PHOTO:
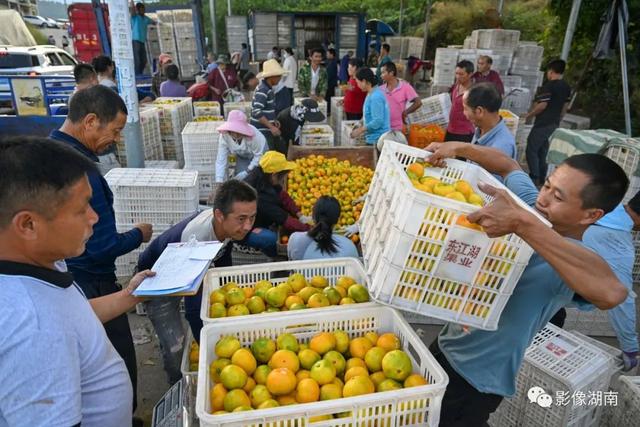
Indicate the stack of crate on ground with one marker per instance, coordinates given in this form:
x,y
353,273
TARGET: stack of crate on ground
x,y
404,47
518,63
562,382
200,145
153,44
175,113
160,197
244,106
206,108
337,116
151,136
186,39
166,38
347,126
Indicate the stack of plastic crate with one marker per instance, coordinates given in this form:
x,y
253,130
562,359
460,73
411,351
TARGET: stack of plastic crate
x,y
495,39
526,63
175,113
166,39
153,45
561,382
501,60
510,120
517,99
151,137
206,108
200,145
574,121
160,197
434,110
445,66
161,164
186,38
337,114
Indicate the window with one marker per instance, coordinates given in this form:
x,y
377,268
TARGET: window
x,y
16,60
53,59
67,59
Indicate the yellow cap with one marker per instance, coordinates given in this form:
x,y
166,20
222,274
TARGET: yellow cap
x,y
274,162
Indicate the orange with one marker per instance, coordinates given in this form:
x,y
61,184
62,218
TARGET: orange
x,y
235,399
415,380
244,359
371,336
250,385
217,394
377,377
308,357
397,365
281,381
287,399
388,342
302,374
248,292
318,300
373,358
354,372
285,359
260,375
293,299
216,367
355,361
323,342
330,391
357,386
417,169
307,391
226,346
233,377
259,395
358,347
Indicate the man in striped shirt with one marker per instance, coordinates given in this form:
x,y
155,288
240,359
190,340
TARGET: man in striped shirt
x,y
263,113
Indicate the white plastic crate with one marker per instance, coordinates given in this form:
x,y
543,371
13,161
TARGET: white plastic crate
x,y
573,121
627,156
627,412
246,276
161,164
206,108
175,113
337,114
510,120
501,60
517,100
200,144
322,106
188,71
184,364
184,30
242,106
593,323
241,255
434,110
187,54
445,66
531,80
206,180
183,15
165,16
317,135
165,30
521,142
557,361
495,39
151,137
411,245
162,197
415,406
345,137
511,81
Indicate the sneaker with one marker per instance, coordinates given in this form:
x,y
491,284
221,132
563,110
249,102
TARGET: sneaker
x,y
630,360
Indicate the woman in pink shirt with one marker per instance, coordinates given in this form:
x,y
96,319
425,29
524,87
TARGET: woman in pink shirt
x,y
399,93
460,129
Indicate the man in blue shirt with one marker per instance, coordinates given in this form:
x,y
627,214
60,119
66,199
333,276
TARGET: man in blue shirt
x,y
96,118
483,365
139,24
482,107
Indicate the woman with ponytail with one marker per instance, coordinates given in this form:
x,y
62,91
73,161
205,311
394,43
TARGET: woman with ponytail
x,y
320,241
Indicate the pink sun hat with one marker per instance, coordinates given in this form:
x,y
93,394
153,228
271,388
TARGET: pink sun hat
x,y
237,122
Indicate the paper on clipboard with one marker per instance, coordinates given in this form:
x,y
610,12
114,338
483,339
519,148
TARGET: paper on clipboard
x,y
179,267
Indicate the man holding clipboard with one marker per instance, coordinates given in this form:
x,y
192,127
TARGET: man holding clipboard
x,y
231,219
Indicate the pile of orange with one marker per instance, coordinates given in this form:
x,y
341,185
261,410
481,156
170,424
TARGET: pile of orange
x,y
287,371
318,176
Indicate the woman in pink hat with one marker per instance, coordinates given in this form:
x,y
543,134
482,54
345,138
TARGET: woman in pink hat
x,y
239,138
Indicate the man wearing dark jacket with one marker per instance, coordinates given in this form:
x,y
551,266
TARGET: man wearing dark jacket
x,y
232,217
96,118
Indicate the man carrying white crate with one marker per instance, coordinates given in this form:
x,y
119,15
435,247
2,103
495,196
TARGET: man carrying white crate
x,y
483,365
58,366
96,117
232,217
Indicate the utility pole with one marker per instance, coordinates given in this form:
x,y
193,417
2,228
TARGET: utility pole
x,y
571,28
426,29
214,34
228,7
122,53
401,16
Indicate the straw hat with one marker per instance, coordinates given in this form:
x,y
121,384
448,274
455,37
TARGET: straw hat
x,y
271,68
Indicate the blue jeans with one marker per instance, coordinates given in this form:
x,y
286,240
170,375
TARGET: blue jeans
x,y
164,314
262,239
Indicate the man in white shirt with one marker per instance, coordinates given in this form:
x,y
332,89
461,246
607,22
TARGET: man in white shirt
x,y
58,367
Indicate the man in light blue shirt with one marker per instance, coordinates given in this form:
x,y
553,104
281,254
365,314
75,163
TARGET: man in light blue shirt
x,y
139,24
482,108
611,238
483,365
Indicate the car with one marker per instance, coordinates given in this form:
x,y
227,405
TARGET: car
x,y
38,21
35,60
63,23
52,23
